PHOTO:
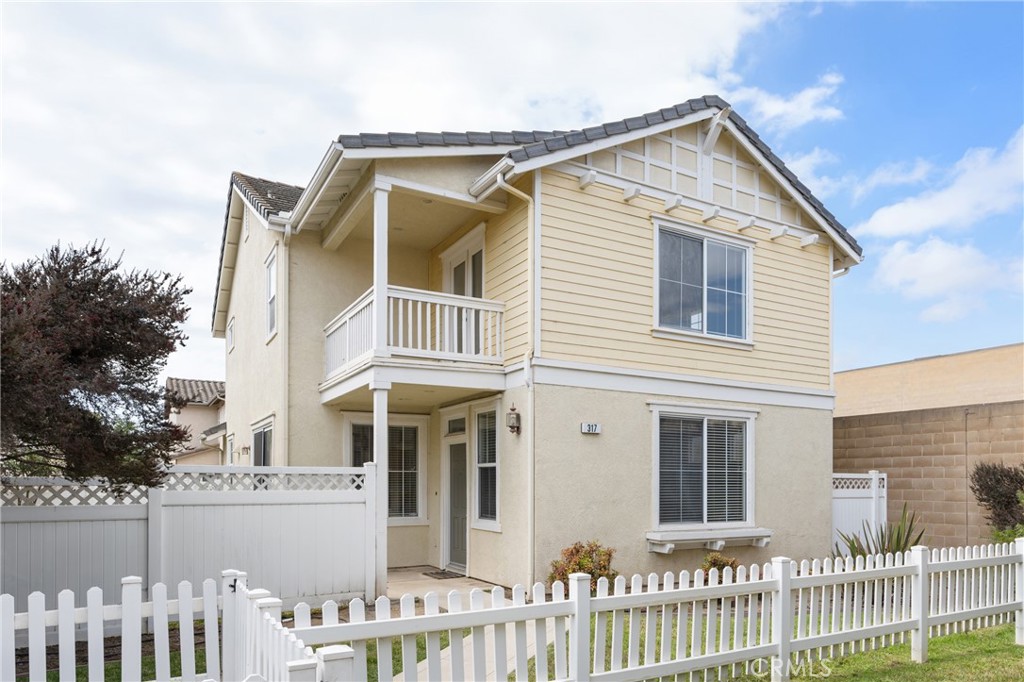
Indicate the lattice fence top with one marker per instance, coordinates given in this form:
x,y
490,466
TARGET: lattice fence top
x,y
855,482
39,492
67,494
250,481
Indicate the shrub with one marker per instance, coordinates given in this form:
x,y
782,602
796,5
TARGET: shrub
x,y
886,539
719,561
592,558
1010,534
996,487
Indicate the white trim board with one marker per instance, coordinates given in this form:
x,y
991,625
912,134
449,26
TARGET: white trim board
x,y
581,375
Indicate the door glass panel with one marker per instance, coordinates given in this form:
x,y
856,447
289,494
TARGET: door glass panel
x,y
457,508
477,273
459,279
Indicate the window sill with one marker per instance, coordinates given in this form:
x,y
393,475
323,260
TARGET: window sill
x,y
668,541
680,335
489,526
407,521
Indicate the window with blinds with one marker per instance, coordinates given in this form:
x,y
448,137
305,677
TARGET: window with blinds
x,y
487,466
403,465
701,470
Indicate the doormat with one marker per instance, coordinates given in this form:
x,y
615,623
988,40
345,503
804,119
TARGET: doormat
x,y
443,575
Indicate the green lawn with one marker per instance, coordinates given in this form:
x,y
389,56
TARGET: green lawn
x,y
112,669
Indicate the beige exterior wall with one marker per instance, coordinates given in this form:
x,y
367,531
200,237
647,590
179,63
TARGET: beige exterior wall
x,y
990,375
600,486
254,367
210,456
598,284
197,418
928,456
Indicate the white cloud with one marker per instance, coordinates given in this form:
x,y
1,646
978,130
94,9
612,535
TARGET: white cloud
x,y
984,183
953,279
784,113
806,166
891,175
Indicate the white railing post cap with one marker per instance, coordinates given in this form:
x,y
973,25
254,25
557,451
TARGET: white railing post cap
x,y
296,666
131,580
335,652
230,573
267,602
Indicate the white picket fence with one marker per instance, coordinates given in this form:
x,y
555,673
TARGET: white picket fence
x,y
778,617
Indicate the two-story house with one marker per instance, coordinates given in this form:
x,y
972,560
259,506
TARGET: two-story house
x,y
619,333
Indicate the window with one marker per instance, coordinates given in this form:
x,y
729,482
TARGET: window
x,y
702,470
487,466
229,334
403,465
262,445
272,293
703,284
230,454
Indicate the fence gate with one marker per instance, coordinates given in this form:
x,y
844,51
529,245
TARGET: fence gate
x,y
857,498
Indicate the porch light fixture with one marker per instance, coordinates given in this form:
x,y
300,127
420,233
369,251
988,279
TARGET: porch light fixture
x,y
512,420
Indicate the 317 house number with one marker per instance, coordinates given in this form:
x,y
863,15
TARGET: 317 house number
x,y
589,427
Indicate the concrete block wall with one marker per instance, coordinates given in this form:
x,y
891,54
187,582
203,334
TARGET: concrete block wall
x,y
928,455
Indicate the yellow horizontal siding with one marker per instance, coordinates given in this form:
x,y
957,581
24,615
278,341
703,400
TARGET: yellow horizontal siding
x,y
507,272
598,294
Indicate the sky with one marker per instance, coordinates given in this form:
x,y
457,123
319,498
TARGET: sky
x,y
123,122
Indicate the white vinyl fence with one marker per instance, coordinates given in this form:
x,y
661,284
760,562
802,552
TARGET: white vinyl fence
x,y
307,532
857,498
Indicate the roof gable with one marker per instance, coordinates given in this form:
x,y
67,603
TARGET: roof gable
x,y
196,391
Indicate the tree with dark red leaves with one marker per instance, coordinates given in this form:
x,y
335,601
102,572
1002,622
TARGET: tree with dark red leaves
x,y
82,342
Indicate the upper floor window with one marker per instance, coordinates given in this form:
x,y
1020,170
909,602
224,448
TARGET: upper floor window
x,y
229,334
703,284
271,291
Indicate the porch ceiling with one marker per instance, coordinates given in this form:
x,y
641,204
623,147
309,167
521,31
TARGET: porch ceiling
x,y
407,398
416,222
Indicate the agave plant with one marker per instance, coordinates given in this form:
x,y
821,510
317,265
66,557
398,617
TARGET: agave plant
x,y
885,539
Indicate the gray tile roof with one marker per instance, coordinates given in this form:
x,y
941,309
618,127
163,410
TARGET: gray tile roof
x,y
266,196
196,391
513,138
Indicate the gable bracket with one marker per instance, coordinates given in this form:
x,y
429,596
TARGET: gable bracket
x,y
715,126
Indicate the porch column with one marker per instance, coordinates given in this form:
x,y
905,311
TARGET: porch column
x,y
380,269
380,457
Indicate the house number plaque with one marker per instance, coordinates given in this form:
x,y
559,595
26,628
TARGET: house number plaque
x,y
590,427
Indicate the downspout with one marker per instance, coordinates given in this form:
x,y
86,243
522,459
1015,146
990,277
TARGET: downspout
x,y
285,333
531,463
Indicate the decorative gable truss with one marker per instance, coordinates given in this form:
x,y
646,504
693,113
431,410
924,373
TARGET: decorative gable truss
x,y
725,176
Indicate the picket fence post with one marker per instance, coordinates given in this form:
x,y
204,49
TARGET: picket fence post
x,y
336,663
1018,546
782,617
919,603
579,632
131,628
233,624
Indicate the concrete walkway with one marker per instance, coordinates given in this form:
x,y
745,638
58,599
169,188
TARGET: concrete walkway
x,y
413,581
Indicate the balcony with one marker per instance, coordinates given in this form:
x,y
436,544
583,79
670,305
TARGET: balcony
x,y
422,325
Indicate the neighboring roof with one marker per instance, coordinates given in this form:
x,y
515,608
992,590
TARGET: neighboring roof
x,y
196,391
445,139
266,196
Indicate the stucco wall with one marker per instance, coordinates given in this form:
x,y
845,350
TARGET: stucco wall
x,y
254,367
600,487
197,418
927,455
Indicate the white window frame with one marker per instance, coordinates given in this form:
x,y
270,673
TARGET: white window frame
x,y
229,334
493,525
230,447
703,336
463,250
270,291
265,424
422,424
658,410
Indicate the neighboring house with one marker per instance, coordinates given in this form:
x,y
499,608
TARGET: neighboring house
x,y
927,423
203,415
620,333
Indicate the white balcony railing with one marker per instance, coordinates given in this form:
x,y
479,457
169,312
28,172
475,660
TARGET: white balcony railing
x,y
421,324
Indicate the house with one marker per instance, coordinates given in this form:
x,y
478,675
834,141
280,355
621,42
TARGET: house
x,y
927,423
620,333
203,415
